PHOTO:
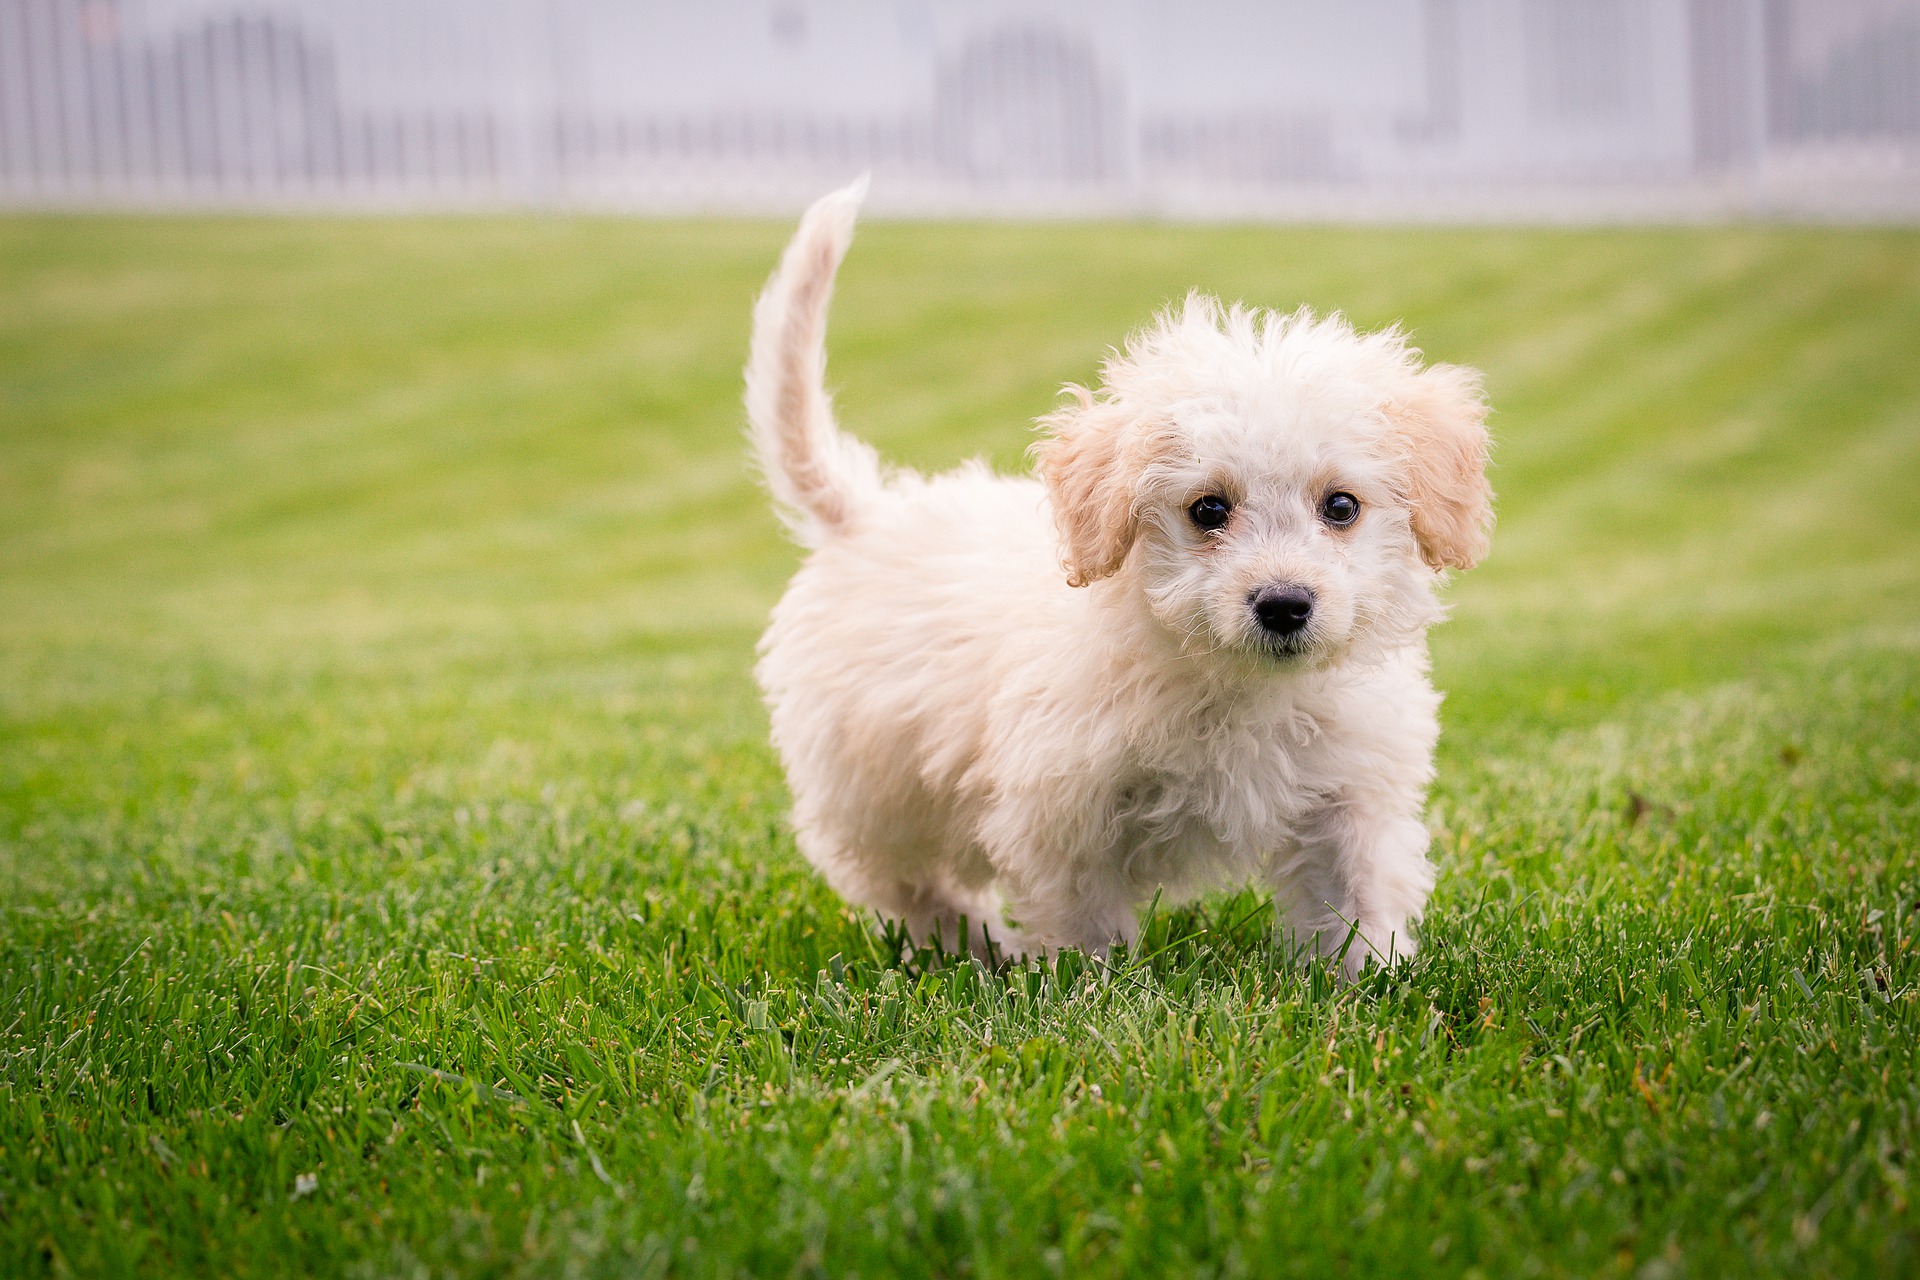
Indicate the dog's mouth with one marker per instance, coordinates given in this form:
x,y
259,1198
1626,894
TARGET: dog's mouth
x,y
1285,648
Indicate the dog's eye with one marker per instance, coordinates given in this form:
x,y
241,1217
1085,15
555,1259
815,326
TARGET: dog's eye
x,y
1340,508
1210,512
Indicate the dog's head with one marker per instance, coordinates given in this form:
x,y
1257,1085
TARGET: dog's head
x,y
1277,485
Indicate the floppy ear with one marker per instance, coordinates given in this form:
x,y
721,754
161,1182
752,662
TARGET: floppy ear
x,y
1441,422
1088,462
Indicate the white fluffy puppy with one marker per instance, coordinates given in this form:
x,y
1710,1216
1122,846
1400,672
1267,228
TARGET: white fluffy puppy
x,y
1191,651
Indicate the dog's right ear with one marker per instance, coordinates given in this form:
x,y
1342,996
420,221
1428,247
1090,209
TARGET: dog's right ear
x,y
1089,461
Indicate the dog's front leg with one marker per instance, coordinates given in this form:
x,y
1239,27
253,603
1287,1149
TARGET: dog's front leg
x,y
1062,884
1356,881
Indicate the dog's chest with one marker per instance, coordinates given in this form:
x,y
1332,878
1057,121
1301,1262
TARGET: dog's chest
x,y
1231,789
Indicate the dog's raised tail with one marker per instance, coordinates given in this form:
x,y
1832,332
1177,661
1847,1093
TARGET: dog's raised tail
x,y
819,476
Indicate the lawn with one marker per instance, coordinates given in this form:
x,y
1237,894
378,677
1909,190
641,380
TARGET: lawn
x,y
392,871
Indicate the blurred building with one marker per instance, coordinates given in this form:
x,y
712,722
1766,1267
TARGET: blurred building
x,y
1201,108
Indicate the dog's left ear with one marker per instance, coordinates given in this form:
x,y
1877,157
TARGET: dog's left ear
x,y
1089,459
1441,425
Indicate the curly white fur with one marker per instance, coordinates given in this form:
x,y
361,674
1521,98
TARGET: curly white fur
x,y
1033,704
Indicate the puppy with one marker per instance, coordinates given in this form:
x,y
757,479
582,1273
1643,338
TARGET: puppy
x,y
1191,652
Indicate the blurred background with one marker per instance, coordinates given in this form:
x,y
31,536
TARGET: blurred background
x,y
1383,109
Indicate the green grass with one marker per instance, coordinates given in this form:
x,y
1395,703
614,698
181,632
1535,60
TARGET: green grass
x,y
392,877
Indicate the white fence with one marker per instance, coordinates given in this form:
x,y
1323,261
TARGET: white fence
x,y
1208,108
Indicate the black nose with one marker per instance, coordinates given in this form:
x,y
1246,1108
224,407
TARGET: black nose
x,y
1283,610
